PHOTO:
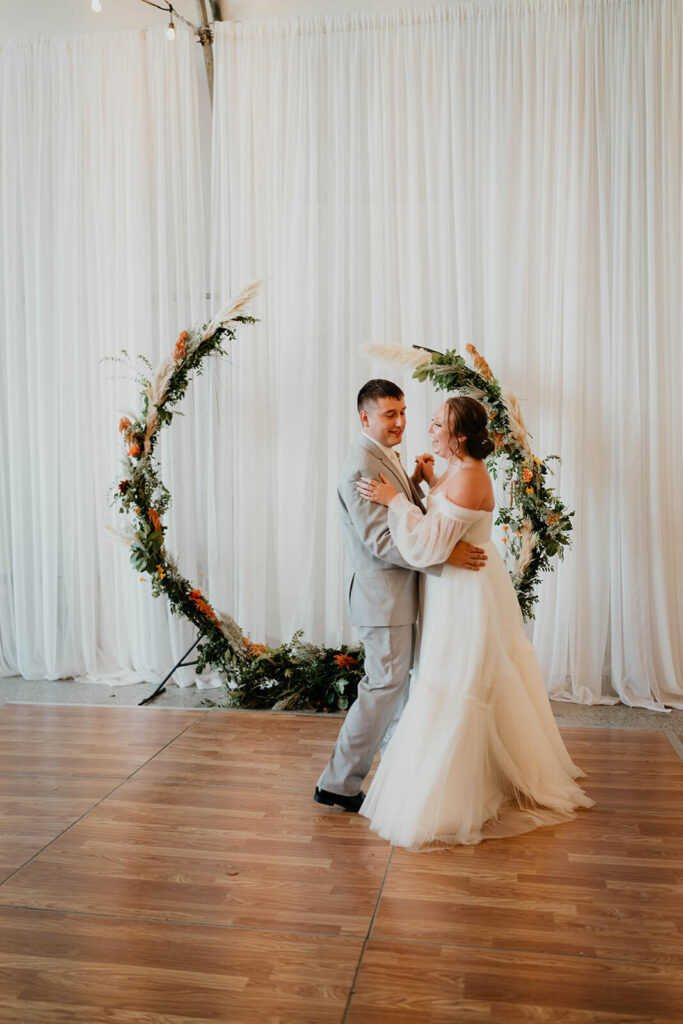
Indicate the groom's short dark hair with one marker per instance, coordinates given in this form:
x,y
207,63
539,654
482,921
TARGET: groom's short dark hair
x,y
375,389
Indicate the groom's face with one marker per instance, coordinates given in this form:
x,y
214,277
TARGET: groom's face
x,y
385,420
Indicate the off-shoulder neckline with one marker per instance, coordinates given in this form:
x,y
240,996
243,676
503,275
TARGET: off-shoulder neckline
x,y
463,508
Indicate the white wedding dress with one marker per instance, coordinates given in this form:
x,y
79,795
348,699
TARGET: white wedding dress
x,y
476,753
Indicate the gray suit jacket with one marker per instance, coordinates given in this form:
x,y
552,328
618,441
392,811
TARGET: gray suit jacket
x,y
382,588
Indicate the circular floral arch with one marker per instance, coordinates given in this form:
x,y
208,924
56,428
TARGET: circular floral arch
x,y
299,674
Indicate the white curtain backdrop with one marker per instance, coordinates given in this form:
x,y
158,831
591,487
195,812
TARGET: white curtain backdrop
x,y
508,174
504,173
102,247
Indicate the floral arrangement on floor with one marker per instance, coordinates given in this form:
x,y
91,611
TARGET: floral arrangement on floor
x,y
536,523
296,674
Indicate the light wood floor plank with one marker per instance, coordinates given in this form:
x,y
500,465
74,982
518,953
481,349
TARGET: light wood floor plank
x,y
239,749
432,984
609,884
196,853
35,809
84,741
87,970
579,924
630,771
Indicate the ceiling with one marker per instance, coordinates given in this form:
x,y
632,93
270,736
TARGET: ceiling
x,y
52,17
56,17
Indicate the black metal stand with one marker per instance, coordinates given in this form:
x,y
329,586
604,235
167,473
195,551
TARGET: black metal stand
x,y
179,664
423,348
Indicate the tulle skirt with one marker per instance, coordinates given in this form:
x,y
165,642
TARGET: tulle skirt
x,y
476,753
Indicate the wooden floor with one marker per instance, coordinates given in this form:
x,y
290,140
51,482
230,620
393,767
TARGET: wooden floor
x,y
171,866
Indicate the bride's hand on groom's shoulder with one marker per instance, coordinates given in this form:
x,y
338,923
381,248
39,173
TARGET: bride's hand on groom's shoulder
x,y
379,491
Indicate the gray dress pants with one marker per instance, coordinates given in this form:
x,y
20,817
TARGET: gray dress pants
x,y
372,718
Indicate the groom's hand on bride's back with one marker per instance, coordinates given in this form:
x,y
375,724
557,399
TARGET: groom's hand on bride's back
x,y
467,556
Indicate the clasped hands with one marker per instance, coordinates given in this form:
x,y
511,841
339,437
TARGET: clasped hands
x,y
424,469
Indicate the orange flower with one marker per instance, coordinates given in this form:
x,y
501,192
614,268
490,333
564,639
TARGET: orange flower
x,y
345,660
208,611
127,429
179,351
203,605
529,490
254,649
497,441
162,574
552,520
134,449
527,475
505,540
153,517
480,364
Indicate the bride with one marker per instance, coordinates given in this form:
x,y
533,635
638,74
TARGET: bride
x,y
476,753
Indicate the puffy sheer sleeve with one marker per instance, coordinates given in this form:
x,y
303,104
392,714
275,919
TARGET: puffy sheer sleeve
x,y
428,539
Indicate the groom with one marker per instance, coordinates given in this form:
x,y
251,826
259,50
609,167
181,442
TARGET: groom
x,y
383,594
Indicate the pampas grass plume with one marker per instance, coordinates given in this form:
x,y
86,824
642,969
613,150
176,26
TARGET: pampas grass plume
x,y
158,387
117,537
151,427
517,425
527,548
235,308
399,354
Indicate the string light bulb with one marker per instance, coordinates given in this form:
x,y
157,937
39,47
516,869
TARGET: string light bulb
x,y
96,6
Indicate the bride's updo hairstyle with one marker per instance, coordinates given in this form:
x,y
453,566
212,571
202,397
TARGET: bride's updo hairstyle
x,y
469,417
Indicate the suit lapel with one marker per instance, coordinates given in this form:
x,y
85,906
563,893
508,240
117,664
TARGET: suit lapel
x,y
416,495
399,478
395,473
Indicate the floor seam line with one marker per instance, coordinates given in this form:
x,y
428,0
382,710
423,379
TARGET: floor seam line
x,y
352,990
97,804
674,741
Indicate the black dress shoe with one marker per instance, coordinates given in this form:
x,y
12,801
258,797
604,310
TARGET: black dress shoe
x,y
349,803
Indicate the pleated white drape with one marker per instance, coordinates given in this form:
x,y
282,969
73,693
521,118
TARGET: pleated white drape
x,y
507,174
102,247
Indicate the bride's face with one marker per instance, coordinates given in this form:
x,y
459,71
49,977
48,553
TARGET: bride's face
x,y
443,443
441,437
